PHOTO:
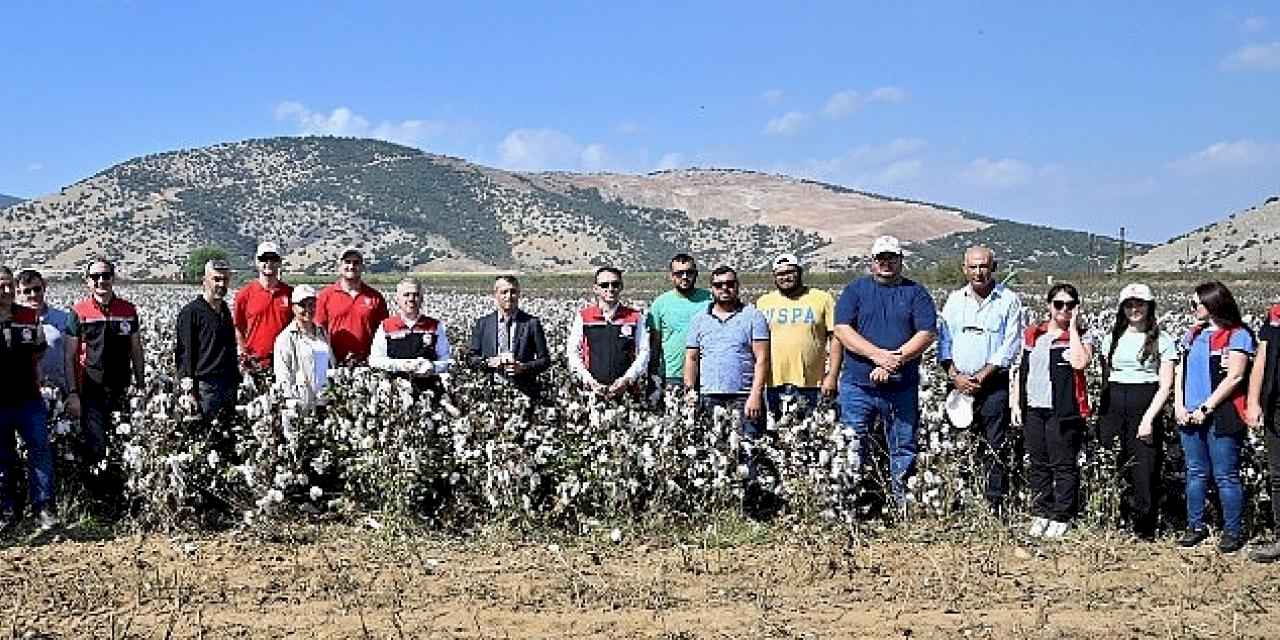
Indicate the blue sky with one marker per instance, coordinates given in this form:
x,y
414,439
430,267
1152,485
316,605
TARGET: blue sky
x,y
1160,116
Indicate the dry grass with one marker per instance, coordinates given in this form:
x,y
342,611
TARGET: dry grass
x,y
733,579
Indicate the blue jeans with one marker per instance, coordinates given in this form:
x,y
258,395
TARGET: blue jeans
x,y
28,421
898,412
1208,453
773,397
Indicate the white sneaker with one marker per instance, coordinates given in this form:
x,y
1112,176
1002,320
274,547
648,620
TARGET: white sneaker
x,y
1038,526
1056,530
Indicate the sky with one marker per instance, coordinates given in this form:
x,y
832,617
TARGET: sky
x,y
1156,116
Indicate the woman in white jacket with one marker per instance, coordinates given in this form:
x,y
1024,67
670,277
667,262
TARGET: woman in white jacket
x,y
302,355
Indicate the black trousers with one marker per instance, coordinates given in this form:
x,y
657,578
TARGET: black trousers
x,y
1273,461
1138,463
1053,449
991,423
97,403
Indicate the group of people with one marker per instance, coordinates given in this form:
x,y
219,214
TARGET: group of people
x,y
794,348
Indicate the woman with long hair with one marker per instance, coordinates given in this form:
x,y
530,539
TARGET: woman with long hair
x,y
1138,364
1209,406
1050,401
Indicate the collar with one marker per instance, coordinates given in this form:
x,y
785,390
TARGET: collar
x,y
608,312
411,321
342,286
502,317
711,310
994,293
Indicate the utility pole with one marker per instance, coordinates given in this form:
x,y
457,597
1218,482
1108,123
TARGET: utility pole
x,y
1120,259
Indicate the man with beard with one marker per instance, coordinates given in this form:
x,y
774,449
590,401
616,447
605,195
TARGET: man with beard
x,y
804,356
978,334
104,354
669,318
608,346
53,365
206,352
885,322
261,311
350,310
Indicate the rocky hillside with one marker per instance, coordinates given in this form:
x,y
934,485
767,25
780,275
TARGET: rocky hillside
x,y
413,210
1245,241
6,201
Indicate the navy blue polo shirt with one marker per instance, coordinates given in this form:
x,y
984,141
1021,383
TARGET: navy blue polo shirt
x,y
887,316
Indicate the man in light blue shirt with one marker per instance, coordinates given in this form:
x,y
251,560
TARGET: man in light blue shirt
x,y
978,339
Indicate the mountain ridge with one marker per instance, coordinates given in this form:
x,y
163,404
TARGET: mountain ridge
x,y
411,209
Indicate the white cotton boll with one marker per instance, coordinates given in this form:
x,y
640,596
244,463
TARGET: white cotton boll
x,y
124,429
315,493
276,495
213,458
62,427
615,535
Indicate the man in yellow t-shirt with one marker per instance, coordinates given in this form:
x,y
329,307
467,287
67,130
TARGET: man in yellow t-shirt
x,y
803,354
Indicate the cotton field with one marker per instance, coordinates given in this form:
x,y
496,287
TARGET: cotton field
x,y
576,462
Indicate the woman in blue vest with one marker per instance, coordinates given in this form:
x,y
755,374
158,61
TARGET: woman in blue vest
x,y
1209,407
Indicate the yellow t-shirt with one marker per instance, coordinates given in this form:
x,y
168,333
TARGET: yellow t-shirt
x,y
798,331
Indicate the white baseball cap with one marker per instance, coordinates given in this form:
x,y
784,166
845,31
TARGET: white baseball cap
x,y
886,244
1136,291
785,261
301,293
266,248
959,408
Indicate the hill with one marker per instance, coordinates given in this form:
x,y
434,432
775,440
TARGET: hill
x,y
415,210
1244,241
6,201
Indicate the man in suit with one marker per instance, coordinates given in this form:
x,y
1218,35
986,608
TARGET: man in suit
x,y
509,342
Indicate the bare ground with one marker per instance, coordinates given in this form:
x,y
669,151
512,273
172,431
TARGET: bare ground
x,y
731,581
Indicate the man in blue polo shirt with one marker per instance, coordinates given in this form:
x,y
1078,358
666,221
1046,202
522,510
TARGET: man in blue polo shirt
x,y
885,322
727,359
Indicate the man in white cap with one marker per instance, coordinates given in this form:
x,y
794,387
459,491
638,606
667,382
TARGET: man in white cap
x,y
885,322
350,310
978,334
804,356
208,367
261,311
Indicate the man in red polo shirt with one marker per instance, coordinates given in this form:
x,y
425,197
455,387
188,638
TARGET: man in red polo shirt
x,y
350,310
261,311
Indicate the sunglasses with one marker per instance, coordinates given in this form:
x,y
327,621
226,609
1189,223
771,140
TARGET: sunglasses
x,y
725,284
685,273
612,284
1195,303
105,275
31,291
1065,304
784,274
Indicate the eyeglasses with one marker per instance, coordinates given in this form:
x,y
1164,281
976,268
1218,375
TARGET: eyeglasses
x,y
105,275
685,273
725,284
612,284
31,291
1065,304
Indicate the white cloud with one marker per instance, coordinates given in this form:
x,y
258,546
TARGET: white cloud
x,y
550,150
842,104
670,161
35,166
894,174
1236,154
786,124
342,121
888,94
594,157
773,96
1254,57
997,174
1253,24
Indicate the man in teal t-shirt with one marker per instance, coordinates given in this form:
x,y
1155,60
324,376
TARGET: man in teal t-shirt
x,y
670,315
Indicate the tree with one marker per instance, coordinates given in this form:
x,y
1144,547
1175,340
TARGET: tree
x,y
193,270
